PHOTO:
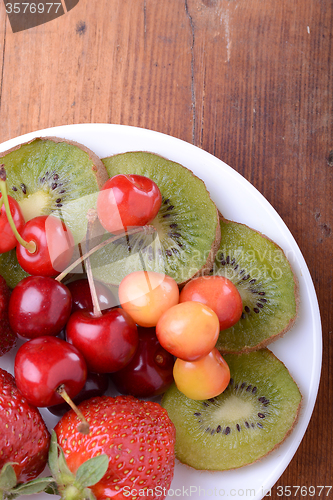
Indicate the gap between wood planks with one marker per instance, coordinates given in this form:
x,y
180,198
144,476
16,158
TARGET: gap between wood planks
x,y
3,61
192,72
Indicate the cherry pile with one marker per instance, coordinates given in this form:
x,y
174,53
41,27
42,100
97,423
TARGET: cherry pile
x,y
76,334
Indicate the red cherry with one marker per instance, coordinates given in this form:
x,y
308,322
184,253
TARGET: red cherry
x,y
150,372
8,239
96,385
43,365
128,200
107,342
7,336
54,245
81,295
39,306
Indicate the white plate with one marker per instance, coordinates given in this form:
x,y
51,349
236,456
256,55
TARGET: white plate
x,y
300,349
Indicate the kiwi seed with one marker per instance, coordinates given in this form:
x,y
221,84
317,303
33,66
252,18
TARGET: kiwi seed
x,y
251,418
48,175
54,176
187,227
266,282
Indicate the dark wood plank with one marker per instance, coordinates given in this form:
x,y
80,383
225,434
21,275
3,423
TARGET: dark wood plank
x,y
262,85
114,62
250,81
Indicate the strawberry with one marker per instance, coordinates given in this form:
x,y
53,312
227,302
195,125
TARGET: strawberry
x,y
137,438
24,438
7,336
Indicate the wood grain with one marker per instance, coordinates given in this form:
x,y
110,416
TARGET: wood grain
x,y
250,81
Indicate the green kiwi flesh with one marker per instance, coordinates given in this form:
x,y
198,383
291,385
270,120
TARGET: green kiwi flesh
x,y
265,280
51,176
10,269
54,176
187,226
254,415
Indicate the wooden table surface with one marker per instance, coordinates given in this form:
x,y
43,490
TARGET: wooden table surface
x,y
249,81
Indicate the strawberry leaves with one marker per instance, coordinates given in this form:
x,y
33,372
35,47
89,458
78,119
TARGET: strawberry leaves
x,y
92,471
63,482
137,436
7,478
9,488
75,486
32,487
57,463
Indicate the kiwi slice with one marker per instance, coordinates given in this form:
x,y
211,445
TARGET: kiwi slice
x,y
265,280
54,176
187,225
10,269
254,415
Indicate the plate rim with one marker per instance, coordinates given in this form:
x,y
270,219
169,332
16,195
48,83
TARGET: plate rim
x,y
308,407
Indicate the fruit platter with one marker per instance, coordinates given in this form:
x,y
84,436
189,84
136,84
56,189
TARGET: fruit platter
x,y
189,261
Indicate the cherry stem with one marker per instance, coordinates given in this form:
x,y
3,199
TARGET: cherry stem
x,y
145,272
92,216
31,245
83,426
142,229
